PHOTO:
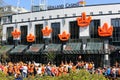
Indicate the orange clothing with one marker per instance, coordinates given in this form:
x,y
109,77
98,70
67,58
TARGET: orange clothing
x,y
60,71
43,70
73,68
53,69
28,68
5,70
56,72
10,69
16,69
31,69
90,66
65,71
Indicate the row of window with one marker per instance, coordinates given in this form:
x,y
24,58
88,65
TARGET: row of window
x,y
73,29
116,31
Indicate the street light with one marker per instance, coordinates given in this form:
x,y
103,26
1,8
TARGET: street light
x,y
105,32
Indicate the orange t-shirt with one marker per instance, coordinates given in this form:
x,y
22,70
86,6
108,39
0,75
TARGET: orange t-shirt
x,y
5,70
10,69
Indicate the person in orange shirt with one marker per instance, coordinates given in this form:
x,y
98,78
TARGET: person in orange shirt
x,y
32,69
65,70
74,68
53,69
15,69
10,70
90,66
56,71
28,69
43,69
5,69
60,70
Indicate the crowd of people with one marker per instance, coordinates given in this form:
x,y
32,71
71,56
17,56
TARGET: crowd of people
x,y
33,69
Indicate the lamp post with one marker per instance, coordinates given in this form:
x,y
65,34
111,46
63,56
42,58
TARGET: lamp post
x,y
64,37
46,35
84,22
16,35
107,52
105,32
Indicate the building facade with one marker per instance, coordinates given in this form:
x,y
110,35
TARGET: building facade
x,y
64,19
6,12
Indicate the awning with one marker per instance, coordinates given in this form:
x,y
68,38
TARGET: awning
x,y
19,49
35,48
53,48
72,48
94,48
6,48
113,48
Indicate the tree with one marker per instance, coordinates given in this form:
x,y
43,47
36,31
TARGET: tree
x,y
51,56
4,57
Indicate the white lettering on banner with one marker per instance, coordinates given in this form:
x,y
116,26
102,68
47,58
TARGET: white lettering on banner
x,y
67,5
61,6
55,7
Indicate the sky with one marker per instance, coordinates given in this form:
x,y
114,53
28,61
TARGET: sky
x,y
27,3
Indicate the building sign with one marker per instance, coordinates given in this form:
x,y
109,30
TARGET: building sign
x,y
61,6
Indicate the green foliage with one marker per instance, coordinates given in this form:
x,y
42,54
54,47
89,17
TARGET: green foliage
x,y
4,77
50,56
73,75
4,57
3,47
2,74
